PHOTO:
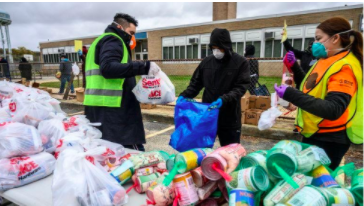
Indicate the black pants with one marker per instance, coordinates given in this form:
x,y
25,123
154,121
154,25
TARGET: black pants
x,y
138,147
335,151
228,136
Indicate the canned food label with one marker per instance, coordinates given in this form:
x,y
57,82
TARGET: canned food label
x,y
322,178
241,197
307,196
287,189
320,155
125,176
193,158
289,145
341,196
145,171
186,189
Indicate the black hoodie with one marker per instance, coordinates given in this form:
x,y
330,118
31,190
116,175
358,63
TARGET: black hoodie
x,y
227,79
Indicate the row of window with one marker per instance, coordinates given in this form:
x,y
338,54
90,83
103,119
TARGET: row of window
x,y
273,48
56,58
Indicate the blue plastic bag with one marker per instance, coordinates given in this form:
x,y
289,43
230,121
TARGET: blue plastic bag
x,y
196,126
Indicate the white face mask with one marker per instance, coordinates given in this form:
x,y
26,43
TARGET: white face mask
x,y
218,54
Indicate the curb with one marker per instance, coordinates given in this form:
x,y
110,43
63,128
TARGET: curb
x,y
246,130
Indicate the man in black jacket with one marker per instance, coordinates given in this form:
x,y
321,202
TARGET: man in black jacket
x,y
122,124
65,67
225,77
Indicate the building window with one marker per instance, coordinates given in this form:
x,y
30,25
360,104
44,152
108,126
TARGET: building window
x,y
308,41
179,52
167,52
297,44
192,51
273,48
205,50
256,45
238,47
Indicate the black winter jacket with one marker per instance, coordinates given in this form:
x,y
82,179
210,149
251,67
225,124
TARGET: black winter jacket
x,y
124,124
227,78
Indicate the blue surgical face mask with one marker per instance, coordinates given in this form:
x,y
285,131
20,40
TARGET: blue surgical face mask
x,y
319,50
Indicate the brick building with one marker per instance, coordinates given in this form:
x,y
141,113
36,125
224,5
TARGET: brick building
x,y
191,41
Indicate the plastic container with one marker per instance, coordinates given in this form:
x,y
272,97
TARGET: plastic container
x,y
253,179
283,191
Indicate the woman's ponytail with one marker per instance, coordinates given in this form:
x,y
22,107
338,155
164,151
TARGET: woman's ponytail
x,y
357,46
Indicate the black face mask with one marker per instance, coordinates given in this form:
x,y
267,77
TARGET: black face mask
x,y
124,33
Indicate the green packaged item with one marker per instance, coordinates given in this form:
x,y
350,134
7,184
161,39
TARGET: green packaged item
x,y
284,159
252,179
283,191
357,186
311,158
170,162
148,158
292,146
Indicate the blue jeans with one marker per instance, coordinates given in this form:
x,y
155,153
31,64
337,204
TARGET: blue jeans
x,y
64,79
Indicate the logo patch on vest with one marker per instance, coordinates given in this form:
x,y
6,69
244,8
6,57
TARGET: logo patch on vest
x,y
311,81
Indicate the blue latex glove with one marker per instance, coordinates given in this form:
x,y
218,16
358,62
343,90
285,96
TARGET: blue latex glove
x,y
79,52
180,99
216,104
280,90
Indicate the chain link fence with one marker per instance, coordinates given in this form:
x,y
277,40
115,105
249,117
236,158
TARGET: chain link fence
x,y
264,73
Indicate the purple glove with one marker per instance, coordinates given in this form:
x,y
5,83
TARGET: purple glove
x,y
289,59
280,90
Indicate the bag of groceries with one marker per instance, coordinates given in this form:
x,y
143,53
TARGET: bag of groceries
x,y
156,89
19,171
32,113
17,139
51,131
90,184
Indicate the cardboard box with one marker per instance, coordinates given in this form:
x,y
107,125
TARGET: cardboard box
x,y
252,100
252,116
147,106
262,102
244,102
243,117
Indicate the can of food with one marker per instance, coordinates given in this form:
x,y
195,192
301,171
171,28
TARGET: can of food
x,y
198,177
241,197
311,158
142,183
290,145
186,189
124,172
161,195
253,179
308,196
145,171
284,159
191,159
254,159
322,178
205,191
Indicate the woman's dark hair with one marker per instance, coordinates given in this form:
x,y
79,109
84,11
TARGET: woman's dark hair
x,y
336,25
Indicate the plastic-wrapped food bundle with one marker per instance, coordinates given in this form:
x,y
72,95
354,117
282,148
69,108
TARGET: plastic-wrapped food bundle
x,y
114,151
311,158
159,194
32,113
253,179
6,91
223,160
74,139
19,171
51,131
357,186
17,139
148,158
142,183
155,89
283,191
90,185
73,123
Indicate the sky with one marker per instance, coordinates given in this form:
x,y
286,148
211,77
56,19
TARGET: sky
x,y
37,22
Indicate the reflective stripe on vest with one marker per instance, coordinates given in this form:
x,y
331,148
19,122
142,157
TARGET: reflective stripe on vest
x,y
352,119
99,90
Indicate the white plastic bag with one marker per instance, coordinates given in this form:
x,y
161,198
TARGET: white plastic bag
x,y
76,181
19,171
155,89
17,139
75,69
268,118
51,131
32,113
